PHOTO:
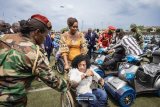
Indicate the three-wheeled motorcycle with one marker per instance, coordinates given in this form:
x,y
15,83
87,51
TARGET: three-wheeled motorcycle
x,y
133,80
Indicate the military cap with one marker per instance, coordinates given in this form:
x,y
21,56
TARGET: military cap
x,y
42,19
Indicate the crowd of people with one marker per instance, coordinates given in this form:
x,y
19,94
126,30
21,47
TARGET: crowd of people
x,y
26,47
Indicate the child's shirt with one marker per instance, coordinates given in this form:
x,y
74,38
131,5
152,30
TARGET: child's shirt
x,y
84,85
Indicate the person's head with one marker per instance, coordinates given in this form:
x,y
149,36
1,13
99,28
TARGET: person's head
x,y
37,28
111,30
81,62
119,33
133,27
89,30
16,27
72,24
2,26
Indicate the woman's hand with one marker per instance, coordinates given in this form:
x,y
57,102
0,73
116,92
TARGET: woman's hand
x,y
89,73
101,81
66,67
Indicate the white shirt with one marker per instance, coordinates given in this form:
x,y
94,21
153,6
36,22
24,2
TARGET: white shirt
x,y
83,84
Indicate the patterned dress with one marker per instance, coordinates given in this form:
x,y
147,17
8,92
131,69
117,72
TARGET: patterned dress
x,y
72,48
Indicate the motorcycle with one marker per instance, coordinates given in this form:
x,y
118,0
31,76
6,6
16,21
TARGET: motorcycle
x,y
133,80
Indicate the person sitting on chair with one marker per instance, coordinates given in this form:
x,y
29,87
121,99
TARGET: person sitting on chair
x,y
81,76
118,53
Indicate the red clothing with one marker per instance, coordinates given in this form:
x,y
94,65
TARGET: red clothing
x,y
105,39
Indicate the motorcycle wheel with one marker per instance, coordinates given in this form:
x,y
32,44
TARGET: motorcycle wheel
x,y
126,100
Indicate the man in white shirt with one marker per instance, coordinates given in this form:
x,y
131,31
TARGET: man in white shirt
x,y
82,75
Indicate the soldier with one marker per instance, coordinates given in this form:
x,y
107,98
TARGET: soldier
x,y
21,60
137,35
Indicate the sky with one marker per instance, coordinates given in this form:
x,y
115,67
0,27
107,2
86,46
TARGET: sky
x,y
89,13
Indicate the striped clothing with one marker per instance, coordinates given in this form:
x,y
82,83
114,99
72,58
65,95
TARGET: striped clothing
x,y
130,45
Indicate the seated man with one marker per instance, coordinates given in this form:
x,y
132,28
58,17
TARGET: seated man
x,y
81,76
118,53
111,61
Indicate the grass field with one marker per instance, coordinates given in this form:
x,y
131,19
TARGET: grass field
x,y
51,98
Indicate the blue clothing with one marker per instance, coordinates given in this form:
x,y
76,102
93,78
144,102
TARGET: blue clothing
x,y
98,98
91,38
48,46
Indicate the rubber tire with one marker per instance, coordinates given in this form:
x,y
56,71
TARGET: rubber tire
x,y
122,104
59,63
69,98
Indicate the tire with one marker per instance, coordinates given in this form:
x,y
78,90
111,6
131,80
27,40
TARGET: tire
x,y
126,100
60,66
67,100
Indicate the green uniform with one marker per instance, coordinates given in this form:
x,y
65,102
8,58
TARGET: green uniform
x,y
20,62
139,38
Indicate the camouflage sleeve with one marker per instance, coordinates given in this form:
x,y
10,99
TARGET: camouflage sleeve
x,y
63,47
140,37
45,73
84,44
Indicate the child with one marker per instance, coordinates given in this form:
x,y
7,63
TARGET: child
x,y
81,76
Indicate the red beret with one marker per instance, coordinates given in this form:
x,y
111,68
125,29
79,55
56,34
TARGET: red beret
x,y
111,28
42,19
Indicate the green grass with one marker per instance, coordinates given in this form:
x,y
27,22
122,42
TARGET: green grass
x,y
51,98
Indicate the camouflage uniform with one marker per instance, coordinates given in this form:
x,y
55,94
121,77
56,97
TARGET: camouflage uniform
x,y
17,57
137,35
139,38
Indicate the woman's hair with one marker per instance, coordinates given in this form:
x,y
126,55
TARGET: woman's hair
x,y
80,58
71,21
26,26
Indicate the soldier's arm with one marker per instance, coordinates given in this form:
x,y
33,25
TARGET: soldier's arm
x,y
45,73
140,37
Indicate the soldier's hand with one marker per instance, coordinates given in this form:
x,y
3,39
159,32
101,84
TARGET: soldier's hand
x,y
68,86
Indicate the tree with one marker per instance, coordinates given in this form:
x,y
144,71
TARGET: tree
x,y
64,29
158,30
141,27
